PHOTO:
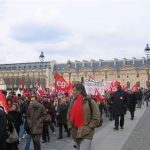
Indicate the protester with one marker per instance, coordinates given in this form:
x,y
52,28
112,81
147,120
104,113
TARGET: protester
x,y
35,117
80,121
132,101
119,107
3,125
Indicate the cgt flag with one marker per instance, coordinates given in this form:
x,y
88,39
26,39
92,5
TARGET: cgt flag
x,y
60,83
3,102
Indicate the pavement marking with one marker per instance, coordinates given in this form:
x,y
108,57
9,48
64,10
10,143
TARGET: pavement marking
x,y
109,139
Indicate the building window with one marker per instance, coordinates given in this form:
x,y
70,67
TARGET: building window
x,y
137,75
138,83
82,79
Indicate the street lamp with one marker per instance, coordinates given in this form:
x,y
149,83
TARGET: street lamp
x,y
147,53
69,67
42,57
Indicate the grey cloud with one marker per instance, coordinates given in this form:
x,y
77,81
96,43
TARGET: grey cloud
x,y
38,33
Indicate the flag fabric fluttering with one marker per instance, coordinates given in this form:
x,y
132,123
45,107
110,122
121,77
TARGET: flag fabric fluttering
x,y
99,97
60,83
39,90
3,102
135,87
114,86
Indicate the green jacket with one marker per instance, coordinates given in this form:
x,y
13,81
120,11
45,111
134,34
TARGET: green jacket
x,y
91,122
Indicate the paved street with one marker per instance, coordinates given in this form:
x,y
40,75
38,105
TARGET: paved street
x,y
134,136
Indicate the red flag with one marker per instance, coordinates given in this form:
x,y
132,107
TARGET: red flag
x,y
114,86
124,88
135,87
60,83
3,102
99,97
69,88
39,90
27,93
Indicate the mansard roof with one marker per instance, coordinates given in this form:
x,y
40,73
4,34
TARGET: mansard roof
x,y
77,65
25,66
95,65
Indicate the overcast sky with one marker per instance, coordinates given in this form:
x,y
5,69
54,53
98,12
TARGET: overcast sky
x,y
73,29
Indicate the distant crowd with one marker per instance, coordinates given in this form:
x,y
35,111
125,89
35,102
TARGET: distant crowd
x,y
34,118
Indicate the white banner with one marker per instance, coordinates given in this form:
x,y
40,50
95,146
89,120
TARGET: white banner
x,y
91,86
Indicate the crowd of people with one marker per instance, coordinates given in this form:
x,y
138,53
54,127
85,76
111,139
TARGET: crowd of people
x,y
79,114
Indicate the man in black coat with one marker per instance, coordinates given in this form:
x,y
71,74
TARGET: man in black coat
x,y
3,124
119,106
132,101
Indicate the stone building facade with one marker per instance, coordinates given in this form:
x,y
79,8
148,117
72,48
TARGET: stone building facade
x,y
127,71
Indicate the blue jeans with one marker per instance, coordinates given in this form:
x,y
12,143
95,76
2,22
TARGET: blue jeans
x,y
22,131
28,141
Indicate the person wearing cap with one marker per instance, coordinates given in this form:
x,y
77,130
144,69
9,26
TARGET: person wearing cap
x,y
3,125
35,117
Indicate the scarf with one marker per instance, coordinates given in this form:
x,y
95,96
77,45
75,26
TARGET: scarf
x,y
76,115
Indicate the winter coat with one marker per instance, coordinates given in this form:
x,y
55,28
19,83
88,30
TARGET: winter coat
x,y
35,117
119,102
16,118
132,101
62,114
91,122
3,133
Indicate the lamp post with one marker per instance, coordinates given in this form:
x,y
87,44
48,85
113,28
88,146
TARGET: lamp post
x,y
41,57
69,67
147,53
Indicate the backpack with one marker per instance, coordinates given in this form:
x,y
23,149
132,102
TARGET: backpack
x,y
91,110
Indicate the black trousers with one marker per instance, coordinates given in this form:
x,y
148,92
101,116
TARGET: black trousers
x,y
45,133
119,121
61,129
132,114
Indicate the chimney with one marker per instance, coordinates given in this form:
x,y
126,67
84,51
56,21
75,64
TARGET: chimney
x,y
133,60
115,61
92,61
124,61
100,62
83,62
76,62
143,60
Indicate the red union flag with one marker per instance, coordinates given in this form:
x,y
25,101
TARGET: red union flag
x,y
60,83
3,102
135,88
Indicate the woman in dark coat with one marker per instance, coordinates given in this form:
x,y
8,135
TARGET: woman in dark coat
x,y
132,101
